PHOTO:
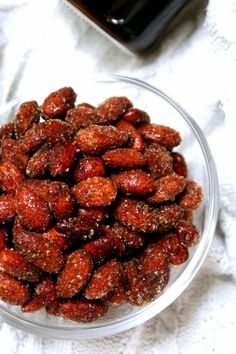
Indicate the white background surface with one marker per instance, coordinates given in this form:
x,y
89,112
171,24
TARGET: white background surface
x,y
45,44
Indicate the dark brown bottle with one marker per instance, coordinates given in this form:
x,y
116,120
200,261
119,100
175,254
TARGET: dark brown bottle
x,y
136,24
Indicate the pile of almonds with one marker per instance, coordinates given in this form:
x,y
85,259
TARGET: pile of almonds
x,y
95,206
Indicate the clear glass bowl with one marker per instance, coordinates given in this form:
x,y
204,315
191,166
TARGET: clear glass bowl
x,y
163,110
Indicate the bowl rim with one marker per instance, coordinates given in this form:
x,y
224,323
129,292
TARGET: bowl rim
x,y
147,312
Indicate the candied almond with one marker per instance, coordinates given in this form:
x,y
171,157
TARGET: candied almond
x,y
10,177
95,192
132,239
78,227
7,208
39,186
167,188
139,216
124,158
179,164
33,138
89,166
32,210
38,163
160,134
6,131
112,108
97,139
136,116
75,275
44,254
58,238
118,297
191,197
34,304
44,294
61,158
61,200
12,152
13,291
53,308
14,263
158,161
134,182
100,249
57,103
57,131
154,259
104,280
27,115
187,233
110,233
168,215
50,132
81,116
82,310
141,288
57,194
153,269
155,263
136,140
95,213
175,251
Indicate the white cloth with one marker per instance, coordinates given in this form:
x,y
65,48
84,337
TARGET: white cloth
x,y
43,43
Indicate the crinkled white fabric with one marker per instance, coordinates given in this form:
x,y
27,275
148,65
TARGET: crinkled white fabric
x,y
221,24
44,43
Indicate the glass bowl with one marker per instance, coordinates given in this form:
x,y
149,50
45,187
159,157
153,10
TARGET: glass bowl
x,y
162,110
